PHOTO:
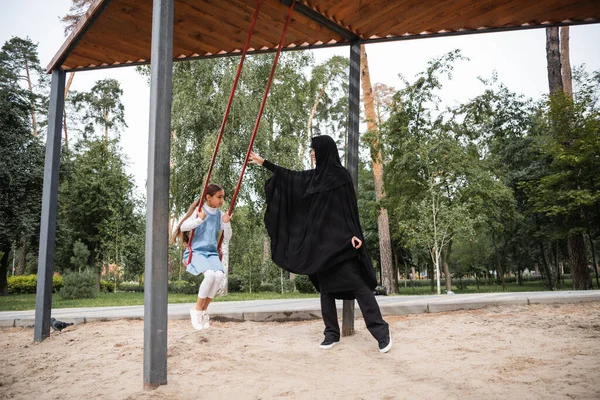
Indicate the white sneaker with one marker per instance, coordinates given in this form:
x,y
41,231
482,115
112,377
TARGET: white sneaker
x,y
205,320
197,317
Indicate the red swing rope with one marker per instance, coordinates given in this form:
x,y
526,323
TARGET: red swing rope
x,y
258,118
224,123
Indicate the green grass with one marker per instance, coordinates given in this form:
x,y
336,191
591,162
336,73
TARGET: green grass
x,y
18,302
533,286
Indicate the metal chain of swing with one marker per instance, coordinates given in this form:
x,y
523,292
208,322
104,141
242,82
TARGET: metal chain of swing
x,y
226,115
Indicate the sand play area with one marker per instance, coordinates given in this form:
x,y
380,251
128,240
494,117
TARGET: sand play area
x,y
508,352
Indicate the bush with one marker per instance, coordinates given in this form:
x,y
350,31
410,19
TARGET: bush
x,y
22,284
303,284
288,285
131,287
267,287
57,283
27,284
107,286
79,285
235,284
183,287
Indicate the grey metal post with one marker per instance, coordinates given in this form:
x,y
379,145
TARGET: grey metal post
x,y
43,297
157,214
352,155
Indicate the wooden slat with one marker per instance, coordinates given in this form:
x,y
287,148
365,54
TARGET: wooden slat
x,y
75,61
121,29
375,12
560,11
269,23
231,27
408,10
115,32
448,19
426,18
99,54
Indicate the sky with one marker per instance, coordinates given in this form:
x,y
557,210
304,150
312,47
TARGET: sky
x,y
518,57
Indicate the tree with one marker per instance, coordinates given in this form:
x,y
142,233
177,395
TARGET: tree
x,y
80,257
101,106
329,82
428,168
21,168
20,56
383,223
568,134
76,12
97,203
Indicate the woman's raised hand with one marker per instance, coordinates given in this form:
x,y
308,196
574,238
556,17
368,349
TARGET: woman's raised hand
x,y
255,159
356,242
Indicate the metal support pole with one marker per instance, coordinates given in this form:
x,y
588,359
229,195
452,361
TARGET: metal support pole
x,y
157,214
43,297
352,155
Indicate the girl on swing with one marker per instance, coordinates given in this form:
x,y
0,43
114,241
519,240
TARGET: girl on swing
x,y
205,225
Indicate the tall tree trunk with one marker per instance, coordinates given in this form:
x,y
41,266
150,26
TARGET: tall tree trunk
x,y
383,223
22,257
553,58
498,263
556,266
546,268
106,128
432,277
593,249
578,261
4,252
67,86
565,61
33,120
446,262
576,244
313,111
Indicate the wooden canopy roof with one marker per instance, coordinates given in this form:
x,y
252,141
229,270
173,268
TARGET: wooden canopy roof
x,y
118,32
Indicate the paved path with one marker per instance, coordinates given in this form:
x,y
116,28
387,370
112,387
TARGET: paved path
x,y
304,309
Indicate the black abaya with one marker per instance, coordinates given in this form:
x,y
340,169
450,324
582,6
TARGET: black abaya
x,y
311,218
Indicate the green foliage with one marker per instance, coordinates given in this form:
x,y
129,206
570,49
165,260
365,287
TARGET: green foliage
x,y
101,106
107,286
97,205
81,255
184,287
21,152
235,283
131,287
200,94
79,285
303,284
28,284
267,287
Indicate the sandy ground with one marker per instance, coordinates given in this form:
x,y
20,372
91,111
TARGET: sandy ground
x,y
515,352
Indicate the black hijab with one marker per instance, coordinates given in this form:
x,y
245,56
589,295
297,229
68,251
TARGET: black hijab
x,y
312,215
329,172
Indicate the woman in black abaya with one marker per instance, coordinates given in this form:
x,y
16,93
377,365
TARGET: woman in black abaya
x,y
312,220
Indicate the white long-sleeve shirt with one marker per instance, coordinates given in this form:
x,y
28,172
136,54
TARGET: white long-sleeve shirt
x,y
193,222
